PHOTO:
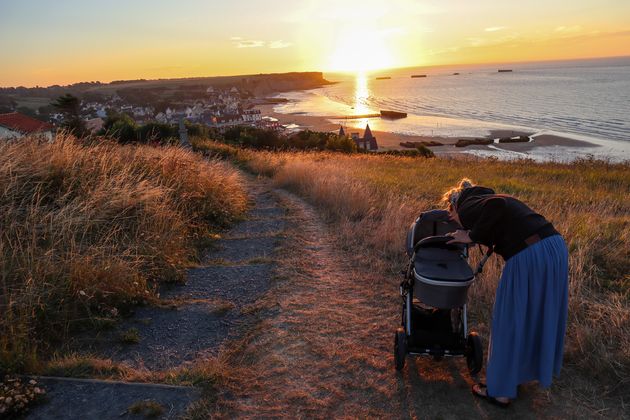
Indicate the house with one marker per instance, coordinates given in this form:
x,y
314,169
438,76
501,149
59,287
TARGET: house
x,y
230,120
94,125
252,115
367,142
15,125
161,117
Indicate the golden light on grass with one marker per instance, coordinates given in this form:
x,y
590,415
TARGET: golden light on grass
x,y
88,226
373,199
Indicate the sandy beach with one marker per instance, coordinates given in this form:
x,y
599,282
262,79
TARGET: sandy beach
x,y
391,141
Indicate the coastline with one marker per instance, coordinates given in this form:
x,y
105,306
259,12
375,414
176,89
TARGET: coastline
x,y
553,144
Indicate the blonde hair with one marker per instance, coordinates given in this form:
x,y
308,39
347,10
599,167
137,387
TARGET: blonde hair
x,y
451,196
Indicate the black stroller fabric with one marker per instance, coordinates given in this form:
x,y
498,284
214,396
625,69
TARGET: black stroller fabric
x,y
442,265
430,223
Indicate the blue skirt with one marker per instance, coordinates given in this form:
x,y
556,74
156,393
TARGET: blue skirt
x,y
529,318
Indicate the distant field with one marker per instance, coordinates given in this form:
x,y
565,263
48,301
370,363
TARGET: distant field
x,y
280,81
32,102
373,199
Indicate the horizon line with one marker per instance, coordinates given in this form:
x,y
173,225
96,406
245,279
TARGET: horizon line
x,y
141,79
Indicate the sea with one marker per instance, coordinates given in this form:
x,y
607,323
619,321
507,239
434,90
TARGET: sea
x,y
586,100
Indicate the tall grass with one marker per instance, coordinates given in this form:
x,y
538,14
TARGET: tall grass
x,y
87,229
373,199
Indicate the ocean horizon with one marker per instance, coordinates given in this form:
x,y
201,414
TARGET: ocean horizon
x,y
586,100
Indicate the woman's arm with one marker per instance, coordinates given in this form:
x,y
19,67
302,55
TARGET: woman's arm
x,y
459,237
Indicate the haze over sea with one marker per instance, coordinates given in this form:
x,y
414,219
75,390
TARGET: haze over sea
x,y
581,99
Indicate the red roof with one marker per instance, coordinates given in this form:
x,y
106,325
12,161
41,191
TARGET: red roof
x,y
23,123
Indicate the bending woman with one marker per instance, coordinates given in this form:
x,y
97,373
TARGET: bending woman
x,y
530,309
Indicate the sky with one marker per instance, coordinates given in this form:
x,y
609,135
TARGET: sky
x,y
45,42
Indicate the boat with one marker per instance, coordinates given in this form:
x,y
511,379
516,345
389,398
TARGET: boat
x,y
415,76
383,78
393,114
455,74
505,70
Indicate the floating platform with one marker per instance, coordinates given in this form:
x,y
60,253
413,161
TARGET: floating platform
x,y
355,117
505,70
393,114
417,76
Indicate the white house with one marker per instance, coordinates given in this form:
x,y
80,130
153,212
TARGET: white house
x,y
15,125
252,115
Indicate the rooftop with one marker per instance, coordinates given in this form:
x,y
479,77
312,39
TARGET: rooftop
x,y
23,123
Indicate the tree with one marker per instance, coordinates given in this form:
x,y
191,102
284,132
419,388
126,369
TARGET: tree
x,y
70,107
341,144
121,127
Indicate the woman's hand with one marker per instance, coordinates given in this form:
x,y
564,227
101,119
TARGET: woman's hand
x,y
459,237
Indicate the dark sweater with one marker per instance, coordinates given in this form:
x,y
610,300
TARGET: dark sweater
x,y
500,220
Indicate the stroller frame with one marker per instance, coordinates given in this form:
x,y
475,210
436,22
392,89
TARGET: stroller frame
x,y
440,341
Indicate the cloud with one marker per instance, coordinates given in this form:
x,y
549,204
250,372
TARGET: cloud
x,y
495,28
279,44
574,28
250,43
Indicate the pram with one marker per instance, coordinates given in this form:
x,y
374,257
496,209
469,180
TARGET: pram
x,y
434,294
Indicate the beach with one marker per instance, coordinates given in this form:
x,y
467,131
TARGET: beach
x,y
391,141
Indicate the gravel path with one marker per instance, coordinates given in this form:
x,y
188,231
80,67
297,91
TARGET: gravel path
x,y
211,308
91,399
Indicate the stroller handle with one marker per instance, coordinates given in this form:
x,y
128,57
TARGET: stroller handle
x,y
441,241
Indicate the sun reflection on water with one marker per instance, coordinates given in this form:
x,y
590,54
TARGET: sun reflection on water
x,y
361,94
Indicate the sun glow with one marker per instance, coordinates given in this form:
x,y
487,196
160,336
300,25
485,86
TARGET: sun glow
x,y
361,94
361,50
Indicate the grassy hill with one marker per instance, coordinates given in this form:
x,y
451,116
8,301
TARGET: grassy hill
x,y
88,229
373,199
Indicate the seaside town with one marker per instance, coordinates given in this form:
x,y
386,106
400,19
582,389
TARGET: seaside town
x,y
216,108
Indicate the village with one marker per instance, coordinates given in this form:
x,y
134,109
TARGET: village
x,y
217,108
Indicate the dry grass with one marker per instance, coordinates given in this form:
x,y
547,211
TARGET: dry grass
x,y
87,229
373,199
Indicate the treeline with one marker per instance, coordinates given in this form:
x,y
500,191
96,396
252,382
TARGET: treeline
x,y
124,129
264,139
261,139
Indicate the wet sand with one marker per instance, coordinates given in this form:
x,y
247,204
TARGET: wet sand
x,y
391,141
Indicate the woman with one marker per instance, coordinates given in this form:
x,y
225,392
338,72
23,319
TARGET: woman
x,y
530,309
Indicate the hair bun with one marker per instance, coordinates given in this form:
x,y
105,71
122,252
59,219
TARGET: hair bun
x,y
465,183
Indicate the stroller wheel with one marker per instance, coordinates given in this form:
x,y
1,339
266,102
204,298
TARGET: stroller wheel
x,y
400,348
474,353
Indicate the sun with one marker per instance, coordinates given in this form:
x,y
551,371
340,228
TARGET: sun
x,y
360,50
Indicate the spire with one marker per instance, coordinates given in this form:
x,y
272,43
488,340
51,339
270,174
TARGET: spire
x,y
341,131
368,133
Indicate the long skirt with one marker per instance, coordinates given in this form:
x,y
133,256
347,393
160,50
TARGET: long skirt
x,y
529,318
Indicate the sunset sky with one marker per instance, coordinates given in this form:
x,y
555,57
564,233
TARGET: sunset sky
x,y
47,42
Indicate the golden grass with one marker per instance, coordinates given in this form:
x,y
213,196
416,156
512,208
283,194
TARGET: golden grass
x,y
373,199
87,229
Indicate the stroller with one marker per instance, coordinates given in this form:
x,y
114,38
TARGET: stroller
x,y
434,293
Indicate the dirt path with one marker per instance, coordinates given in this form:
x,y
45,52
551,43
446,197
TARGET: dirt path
x,y
306,327
326,350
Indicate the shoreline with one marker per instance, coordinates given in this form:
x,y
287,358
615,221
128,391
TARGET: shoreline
x,y
553,145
